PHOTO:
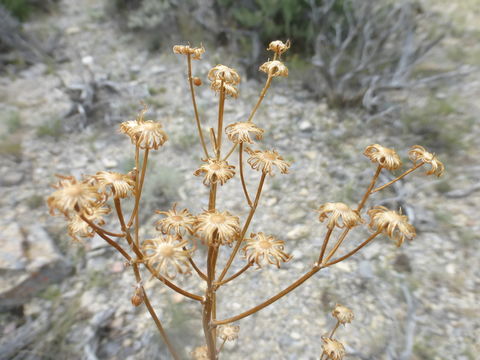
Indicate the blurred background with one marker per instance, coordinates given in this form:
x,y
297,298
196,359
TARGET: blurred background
x,y
397,73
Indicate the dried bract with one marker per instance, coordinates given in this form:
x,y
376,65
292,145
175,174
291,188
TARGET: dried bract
x,y
166,255
265,249
341,215
265,160
225,74
120,185
333,349
418,154
279,47
73,195
195,52
274,68
391,223
383,156
200,353
230,90
175,220
343,314
215,171
228,332
241,132
215,227
147,134
77,227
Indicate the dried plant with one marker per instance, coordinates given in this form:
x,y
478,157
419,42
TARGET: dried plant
x,y
170,253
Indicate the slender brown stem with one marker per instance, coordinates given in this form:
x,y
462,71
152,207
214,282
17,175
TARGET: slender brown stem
x,y
339,242
154,316
207,307
138,184
370,187
373,236
221,106
195,267
194,102
242,178
259,101
324,245
331,334
98,228
230,152
234,276
282,293
397,178
221,346
106,238
245,228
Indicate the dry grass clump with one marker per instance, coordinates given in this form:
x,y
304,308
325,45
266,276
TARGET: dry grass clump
x,y
171,252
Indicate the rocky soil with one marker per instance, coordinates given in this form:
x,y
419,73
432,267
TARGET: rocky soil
x,y
63,300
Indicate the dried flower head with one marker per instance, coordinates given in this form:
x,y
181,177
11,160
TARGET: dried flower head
x,y
120,185
147,134
279,47
73,195
228,332
217,227
241,132
178,221
343,314
200,353
274,68
333,349
138,297
230,90
341,215
264,160
263,249
77,227
166,255
195,52
225,74
215,171
385,157
418,154
391,223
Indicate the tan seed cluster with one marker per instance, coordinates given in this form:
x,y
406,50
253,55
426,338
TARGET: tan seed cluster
x,y
333,349
265,249
215,171
265,161
195,52
391,223
228,332
216,227
383,156
177,221
340,214
418,154
343,314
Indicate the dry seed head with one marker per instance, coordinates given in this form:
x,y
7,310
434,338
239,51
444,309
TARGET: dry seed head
x,y
343,314
120,185
146,134
77,227
419,154
178,221
228,332
341,215
274,68
265,249
391,223
72,195
200,353
265,160
333,349
215,171
187,50
137,298
166,255
279,47
239,132
225,74
217,227
383,156
230,90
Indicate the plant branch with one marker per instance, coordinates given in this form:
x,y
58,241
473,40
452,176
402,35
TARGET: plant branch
x,y
397,178
234,276
373,236
262,95
324,245
242,178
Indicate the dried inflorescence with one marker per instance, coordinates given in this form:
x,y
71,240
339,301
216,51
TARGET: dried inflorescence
x,y
265,249
340,214
391,223
86,204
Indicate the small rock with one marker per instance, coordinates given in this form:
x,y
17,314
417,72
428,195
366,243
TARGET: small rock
x,y
110,163
12,178
305,125
298,232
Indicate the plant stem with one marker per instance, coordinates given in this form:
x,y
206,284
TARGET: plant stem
x,y
234,276
245,228
221,106
259,101
242,178
138,186
194,102
154,316
397,178
324,245
195,267
370,187
373,236
230,152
